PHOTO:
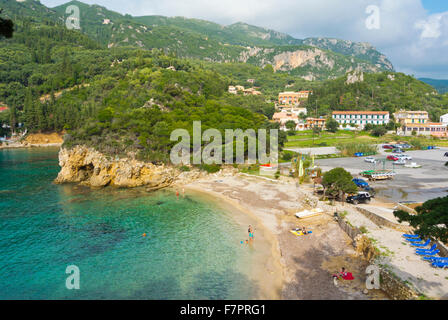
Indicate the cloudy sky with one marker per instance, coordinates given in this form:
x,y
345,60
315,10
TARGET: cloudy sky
x,y
412,33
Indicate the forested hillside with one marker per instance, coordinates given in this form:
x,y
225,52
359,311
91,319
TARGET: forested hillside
x,y
136,105
128,98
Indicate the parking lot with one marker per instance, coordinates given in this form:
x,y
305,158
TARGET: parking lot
x,y
410,184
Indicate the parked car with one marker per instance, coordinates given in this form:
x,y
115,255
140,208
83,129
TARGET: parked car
x,y
406,146
400,162
392,158
370,160
370,190
360,183
388,146
397,151
446,154
404,156
361,197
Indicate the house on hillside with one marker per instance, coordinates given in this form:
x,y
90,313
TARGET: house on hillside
x,y
232,90
251,91
315,123
292,98
301,125
293,109
284,117
3,107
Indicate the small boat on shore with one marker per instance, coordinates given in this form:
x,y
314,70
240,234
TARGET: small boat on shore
x,y
413,165
378,174
309,213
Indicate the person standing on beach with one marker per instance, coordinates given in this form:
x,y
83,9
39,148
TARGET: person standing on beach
x,y
251,233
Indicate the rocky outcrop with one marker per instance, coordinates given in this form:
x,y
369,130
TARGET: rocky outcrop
x,y
354,77
365,247
92,168
293,59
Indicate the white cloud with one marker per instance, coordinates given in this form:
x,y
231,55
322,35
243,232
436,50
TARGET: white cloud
x,y
415,41
431,27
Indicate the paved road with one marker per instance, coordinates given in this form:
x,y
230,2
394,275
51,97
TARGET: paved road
x,y
428,182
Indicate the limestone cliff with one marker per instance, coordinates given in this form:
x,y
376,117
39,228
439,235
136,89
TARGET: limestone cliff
x,y
92,168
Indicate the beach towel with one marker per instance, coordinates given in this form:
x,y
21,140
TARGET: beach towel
x,y
348,276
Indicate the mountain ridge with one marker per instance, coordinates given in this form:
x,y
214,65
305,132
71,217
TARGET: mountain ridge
x,y
311,59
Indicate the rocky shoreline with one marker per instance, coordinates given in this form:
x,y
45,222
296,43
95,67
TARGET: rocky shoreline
x,y
35,140
92,168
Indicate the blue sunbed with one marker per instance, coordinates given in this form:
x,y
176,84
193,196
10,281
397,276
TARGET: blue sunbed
x,y
411,236
436,259
433,247
429,254
413,240
421,244
440,264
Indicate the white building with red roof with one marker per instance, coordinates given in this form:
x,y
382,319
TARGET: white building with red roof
x,y
361,118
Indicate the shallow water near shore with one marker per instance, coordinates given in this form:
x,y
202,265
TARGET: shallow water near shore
x,y
192,248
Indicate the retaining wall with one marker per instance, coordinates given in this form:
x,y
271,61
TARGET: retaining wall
x,y
395,288
383,222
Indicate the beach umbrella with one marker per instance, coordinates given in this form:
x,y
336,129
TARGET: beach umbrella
x,y
301,173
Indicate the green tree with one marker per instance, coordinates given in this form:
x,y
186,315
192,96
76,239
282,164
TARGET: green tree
x,y
269,68
28,109
431,220
290,125
379,131
338,182
332,125
317,130
13,118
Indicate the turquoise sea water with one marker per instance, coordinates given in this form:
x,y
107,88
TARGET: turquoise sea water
x,y
192,249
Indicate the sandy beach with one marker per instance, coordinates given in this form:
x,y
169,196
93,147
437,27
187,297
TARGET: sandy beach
x,y
306,263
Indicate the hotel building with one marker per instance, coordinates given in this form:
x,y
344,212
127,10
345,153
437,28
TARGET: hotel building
x,y
408,117
292,98
435,129
361,118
